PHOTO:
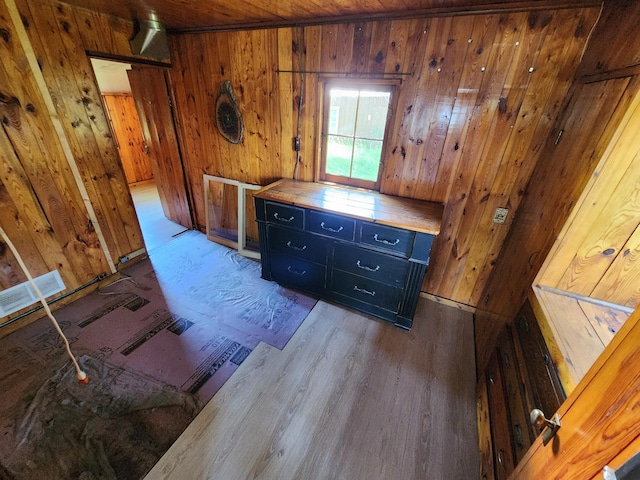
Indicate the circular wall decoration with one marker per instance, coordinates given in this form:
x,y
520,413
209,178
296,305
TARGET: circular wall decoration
x,y
228,118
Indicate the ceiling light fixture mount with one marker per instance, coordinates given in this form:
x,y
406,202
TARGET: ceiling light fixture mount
x,y
150,39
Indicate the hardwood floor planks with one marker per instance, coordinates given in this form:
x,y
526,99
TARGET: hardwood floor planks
x,y
349,397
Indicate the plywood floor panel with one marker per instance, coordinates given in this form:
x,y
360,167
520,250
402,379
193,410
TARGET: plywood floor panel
x,y
349,397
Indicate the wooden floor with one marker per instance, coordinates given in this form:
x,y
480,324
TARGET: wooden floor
x,y
156,228
350,398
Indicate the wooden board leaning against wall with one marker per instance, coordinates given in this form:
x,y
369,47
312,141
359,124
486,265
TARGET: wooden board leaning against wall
x,y
479,102
64,184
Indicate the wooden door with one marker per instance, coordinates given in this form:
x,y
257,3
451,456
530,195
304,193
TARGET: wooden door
x,y
600,419
149,89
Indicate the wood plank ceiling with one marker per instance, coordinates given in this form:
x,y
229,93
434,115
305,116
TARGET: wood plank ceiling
x,y
198,15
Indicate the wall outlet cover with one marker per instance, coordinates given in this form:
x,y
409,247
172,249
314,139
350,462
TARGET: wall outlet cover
x,y
500,215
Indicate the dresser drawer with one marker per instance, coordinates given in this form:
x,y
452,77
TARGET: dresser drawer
x,y
362,249
388,238
366,290
367,263
500,430
299,244
297,272
331,225
285,215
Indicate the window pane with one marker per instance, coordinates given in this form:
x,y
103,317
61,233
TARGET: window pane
x,y
334,116
342,108
366,159
355,118
372,114
339,151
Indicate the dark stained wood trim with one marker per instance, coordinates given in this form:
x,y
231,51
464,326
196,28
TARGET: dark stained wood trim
x,y
123,59
396,15
610,75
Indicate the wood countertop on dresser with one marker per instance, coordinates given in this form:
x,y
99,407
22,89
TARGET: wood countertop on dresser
x,y
407,213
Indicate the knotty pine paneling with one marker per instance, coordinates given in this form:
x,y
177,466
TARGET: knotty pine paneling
x,y
620,283
592,113
468,129
616,44
510,121
43,210
55,35
51,127
597,253
128,135
589,121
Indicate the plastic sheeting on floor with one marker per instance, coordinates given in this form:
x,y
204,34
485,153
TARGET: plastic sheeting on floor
x,y
155,353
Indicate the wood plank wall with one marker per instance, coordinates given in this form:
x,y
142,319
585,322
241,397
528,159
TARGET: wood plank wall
x,y
52,214
43,210
468,129
122,112
594,107
598,252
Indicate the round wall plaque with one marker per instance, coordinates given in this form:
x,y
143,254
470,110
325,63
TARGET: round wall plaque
x,y
228,118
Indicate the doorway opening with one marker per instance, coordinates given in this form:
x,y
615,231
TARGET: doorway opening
x,y
135,151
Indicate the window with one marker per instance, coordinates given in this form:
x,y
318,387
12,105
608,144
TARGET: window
x,y
353,134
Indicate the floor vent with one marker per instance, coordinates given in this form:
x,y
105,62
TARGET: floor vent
x,y
20,296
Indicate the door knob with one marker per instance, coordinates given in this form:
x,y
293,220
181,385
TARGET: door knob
x,y
538,420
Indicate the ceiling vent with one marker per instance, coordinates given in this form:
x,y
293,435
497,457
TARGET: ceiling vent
x,y
150,40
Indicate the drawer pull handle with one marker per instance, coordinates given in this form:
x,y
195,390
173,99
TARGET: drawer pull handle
x,y
517,435
386,242
278,217
293,270
295,247
362,290
329,229
368,269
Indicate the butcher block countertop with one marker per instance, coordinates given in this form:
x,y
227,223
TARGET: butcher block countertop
x,y
407,213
